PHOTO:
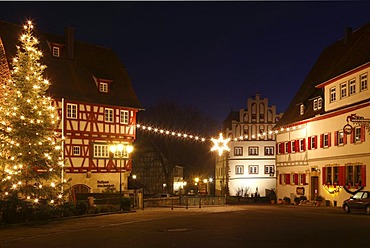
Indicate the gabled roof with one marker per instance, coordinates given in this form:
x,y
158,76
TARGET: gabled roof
x,y
73,79
340,57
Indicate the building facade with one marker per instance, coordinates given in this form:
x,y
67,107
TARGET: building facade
x,y
97,107
323,139
249,167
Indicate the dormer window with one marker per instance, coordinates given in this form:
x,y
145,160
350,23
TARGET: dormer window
x,y
301,109
103,87
56,51
317,104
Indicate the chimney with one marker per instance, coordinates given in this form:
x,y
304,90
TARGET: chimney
x,y
70,41
347,34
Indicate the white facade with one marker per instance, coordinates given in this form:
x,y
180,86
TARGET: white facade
x,y
325,160
249,168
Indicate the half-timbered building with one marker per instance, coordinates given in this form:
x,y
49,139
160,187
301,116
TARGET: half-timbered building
x,y
96,102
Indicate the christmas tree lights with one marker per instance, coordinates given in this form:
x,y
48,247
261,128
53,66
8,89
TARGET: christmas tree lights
x,y
30,156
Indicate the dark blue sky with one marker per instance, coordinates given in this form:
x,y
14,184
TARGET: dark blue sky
x,y
213,55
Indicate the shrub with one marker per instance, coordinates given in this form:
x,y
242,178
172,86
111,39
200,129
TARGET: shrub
x,y
286,200
125,204
68,209
81,207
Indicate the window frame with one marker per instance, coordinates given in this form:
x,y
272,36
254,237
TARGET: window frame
x,y
103,87
333,94
343,90
124,116
239,169
76,150
351,87
109,115
101,150
363,82
269,150
253,169
269,169
251,150
71,111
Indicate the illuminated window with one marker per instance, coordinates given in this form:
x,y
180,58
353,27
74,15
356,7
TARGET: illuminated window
x,y
269,169
103,87
253,150
357,134
317,104
343,90
333,94
292,146
301,145
239,169
56,51
340,137
253,169
124,117
238,151
101,151
363,82
76,150
352,86
269,150
301,109
326,139
108,115
71,111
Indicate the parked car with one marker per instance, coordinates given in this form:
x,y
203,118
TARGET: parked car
x,y
160,196
359,202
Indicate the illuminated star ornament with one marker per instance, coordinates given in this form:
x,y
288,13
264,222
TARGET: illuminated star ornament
x,y
220,144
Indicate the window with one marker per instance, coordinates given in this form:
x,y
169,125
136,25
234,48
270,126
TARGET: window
x,y
239,169
363,82
56,51
253,150
302,145
286,147
333,94
269,150
269,169
103,87
101,151
253,169
76,150
301,109
340,137
108,116
71,111
124,117
317,104
302,179
352,86
292,146
354,175
357,134
326,140
343,90
312,142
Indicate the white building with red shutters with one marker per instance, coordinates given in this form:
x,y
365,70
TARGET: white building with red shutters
x,y
97,106
321,149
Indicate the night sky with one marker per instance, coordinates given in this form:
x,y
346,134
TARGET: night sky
x,y
213,55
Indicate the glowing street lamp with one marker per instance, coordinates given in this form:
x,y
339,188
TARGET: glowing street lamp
x,y
118,150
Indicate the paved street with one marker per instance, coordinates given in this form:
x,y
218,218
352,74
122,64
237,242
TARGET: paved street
x,y
228,226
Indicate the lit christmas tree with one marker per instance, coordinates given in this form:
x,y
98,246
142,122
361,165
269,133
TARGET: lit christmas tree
x,y
30,156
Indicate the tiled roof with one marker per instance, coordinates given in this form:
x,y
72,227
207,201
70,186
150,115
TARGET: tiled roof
x,y
340,57
73,78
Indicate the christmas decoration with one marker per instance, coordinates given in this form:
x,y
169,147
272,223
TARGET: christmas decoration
x,y
220,144
30,156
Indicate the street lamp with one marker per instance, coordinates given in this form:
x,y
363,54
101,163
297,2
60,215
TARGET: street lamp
x,y
121,151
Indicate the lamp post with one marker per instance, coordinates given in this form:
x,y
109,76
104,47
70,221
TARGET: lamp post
x,y
121,151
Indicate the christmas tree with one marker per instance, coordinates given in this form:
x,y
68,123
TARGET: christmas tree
x,y
30,156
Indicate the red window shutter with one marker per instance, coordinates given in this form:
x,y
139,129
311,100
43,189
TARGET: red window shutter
x,y
277,148
329,139
352,138
315,142
304,179
344,138
304,144
321,140
362,133
336,133
341,175
309,143
289,147
323,175
296,179
296,145
287,178
280,179
363,175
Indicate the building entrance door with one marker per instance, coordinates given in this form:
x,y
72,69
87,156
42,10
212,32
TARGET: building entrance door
x,y
314,187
